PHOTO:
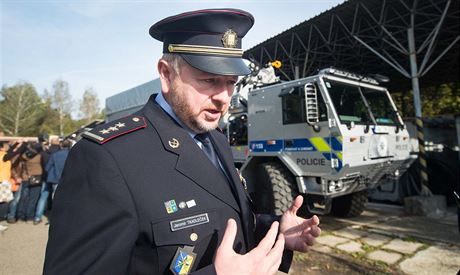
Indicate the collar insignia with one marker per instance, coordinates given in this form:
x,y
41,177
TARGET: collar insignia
x,y
174,143
103,133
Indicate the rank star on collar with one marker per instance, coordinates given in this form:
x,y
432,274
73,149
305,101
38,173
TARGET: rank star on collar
x,y
108,130
120,125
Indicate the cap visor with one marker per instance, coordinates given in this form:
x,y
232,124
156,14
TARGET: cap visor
x,y
217,64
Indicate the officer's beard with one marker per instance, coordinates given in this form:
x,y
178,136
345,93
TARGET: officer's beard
x,y
184,112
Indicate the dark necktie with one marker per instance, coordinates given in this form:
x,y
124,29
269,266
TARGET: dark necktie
x,y
208,149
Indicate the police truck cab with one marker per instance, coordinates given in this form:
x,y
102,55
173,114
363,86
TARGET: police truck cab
x,y
331,137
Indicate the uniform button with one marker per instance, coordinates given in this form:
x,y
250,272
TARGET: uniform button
x,y
193,237
135,119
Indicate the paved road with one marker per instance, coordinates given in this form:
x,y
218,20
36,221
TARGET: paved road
x,y
405,244
22,248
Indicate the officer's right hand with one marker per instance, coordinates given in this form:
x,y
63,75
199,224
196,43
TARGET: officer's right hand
x,y
263,259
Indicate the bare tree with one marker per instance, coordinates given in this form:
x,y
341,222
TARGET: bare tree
x,y
20,109
61,100
89,105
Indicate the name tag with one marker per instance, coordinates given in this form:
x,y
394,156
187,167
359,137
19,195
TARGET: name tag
x,y
189,222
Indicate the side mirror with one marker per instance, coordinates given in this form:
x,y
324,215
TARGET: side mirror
x,y
311,103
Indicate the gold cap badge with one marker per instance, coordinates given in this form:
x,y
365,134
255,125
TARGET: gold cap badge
x,y
230,39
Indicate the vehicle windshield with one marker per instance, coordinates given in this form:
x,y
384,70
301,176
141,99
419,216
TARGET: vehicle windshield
x,y
351,107
380,105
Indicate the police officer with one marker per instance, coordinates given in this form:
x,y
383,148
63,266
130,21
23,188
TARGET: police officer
x,y
156,192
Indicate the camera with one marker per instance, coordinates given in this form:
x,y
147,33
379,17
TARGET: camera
x,y
32,150
30,153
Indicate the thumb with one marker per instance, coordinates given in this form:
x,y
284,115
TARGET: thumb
x,y
296,204
229,235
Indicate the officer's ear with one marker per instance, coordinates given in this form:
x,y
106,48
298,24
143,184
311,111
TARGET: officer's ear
x,y
166,72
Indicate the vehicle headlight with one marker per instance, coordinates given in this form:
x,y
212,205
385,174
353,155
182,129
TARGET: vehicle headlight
x,y
331,186
340,184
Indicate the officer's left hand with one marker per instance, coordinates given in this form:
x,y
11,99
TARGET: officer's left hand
x,y
299,233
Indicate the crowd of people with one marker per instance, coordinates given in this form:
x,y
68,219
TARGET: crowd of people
x,y
32,170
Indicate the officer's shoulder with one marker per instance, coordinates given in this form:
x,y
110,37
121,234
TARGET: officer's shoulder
x,y
114,129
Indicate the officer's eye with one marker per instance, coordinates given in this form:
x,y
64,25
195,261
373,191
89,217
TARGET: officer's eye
x,y
209,80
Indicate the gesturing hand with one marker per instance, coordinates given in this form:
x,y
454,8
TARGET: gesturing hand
x,y
299,233
263,259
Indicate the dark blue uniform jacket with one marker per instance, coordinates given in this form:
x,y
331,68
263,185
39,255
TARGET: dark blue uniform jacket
x,y
109,213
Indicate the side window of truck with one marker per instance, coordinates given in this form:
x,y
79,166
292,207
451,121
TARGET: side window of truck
x,y
293,103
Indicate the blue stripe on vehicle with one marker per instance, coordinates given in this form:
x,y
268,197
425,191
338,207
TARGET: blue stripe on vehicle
x,y
263,146
340,162
299,145
334,142
293,145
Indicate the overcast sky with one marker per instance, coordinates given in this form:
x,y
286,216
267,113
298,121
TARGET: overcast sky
x,y
104,44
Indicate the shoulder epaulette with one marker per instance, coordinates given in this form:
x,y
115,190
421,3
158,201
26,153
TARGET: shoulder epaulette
x,y
108,131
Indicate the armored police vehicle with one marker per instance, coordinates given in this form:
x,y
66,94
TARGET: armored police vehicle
x,y
331,137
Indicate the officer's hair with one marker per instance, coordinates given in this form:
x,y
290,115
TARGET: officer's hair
x,y
175,60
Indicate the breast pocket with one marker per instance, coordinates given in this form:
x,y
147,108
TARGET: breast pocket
x,y
199,230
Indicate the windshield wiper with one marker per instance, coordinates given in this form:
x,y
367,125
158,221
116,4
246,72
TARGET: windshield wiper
x,y
369,110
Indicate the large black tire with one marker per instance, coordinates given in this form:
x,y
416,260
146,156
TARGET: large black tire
x,y
276,189
351,205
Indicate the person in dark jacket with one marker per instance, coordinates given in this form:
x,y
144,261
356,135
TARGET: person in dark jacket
x,y
29,170
53,167
157,192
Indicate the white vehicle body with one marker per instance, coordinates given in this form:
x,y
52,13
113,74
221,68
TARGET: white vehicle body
x,y
335,132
